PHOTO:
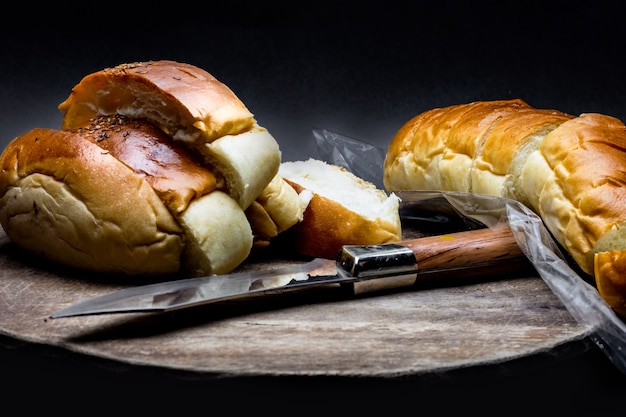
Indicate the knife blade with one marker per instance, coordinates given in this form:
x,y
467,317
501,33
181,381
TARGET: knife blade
x,y
363,268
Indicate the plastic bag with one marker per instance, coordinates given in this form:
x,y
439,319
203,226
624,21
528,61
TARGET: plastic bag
x,y
580,298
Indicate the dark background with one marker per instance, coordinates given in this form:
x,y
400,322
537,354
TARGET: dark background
x,y
357,68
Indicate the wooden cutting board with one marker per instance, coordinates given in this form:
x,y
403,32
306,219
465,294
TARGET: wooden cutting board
x,y
318,332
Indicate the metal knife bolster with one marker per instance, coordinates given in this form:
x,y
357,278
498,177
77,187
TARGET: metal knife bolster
x,y
377,267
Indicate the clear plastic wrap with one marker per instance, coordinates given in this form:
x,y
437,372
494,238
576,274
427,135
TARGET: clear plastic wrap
x,y
580,298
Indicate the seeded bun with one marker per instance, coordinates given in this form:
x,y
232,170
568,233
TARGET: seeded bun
x,y
195,109
185,101
159,168
151,172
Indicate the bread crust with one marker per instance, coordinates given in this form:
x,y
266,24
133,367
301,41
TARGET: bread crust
x,y
610,274
172,172
196,110
328,222
571,170
582,197
436,149
68,201
181,153
186,101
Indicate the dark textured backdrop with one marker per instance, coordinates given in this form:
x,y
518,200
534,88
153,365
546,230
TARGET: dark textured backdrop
x,y
357,68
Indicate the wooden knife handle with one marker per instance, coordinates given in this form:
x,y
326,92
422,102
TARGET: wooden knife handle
x,y
451,258
465,249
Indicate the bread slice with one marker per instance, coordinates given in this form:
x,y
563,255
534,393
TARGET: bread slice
x,y
342,209
274,211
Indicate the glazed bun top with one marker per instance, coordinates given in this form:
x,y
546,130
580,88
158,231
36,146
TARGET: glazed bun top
x,y
185,101
196,110
172,171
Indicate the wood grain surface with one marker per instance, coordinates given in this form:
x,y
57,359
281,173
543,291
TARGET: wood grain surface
x,y
315,332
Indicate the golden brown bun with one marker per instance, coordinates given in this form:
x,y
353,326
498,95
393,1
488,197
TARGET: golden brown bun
x,y
173,173
213,235
190,105
461,148
570,170
151,174
421,156
218,235
576,181
342,209
69,201
187,102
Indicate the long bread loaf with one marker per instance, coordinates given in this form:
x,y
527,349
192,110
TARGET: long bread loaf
x,y
571,170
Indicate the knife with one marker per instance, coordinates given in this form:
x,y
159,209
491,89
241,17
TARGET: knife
x,y
362,268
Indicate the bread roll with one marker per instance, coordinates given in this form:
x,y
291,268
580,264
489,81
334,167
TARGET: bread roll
x,y
218,235
187,102
68,201
571,170
190,105
151,173
213,234
341,209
